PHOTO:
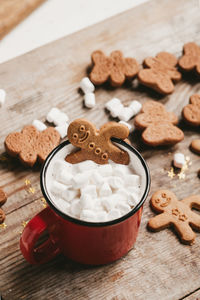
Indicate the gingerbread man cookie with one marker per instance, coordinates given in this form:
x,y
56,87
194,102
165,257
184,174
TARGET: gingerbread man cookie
x,y
96,144
160,73
190,61
158,125
3,199
31,144
176,213
115,68
191,112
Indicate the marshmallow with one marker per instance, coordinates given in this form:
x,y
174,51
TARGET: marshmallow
x,y
62,130
86,201
135,106
123,208
70,194
133,199
57,117
88,215
126,113
132,180
114,214
116,110
105,190
75,207
80,180
112,103
97,179
130,127
86,85
89,100
120,170
105,170
60,165
85,165
108,203
89,190
179,160
58,188
64,177
39,125
2,97
101,216
62,205
115,182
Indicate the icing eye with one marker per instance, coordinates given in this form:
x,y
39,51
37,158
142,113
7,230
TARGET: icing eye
x,y
97,151
75,135
164,195
82,128
91,145
104,156
157,200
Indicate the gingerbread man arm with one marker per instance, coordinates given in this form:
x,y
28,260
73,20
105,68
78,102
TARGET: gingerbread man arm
x,y
185,232
113,129
194,221
193,201
159,222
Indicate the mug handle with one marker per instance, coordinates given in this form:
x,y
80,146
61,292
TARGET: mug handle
x,y
33,230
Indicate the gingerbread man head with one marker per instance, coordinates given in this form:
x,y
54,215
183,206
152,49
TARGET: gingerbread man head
x,y
158,125
160,73
161,200
30,144
191,58
115,68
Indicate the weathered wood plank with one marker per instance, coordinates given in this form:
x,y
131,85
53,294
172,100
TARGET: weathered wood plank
x,y
159,267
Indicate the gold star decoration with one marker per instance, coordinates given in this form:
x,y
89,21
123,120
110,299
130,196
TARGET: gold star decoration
x,y
171,173
181,175
27,182
3,226
44,202
31,190
24,223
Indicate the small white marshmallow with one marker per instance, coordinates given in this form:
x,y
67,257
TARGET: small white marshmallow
x,y
114,214
57,117
59,166
105,190
116,110
40,126
135,106
69,194
179,160
112,103
115,182
125,114
75,207
101,216
87,201
63,205
89,100
2,97
80,180
89,190
62,130
86,85
58,188
130,127
64,177
88,215
85,165
97,179
132,180
105,170
123,208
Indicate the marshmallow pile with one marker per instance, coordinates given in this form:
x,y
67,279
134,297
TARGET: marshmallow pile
x,y
118,110
93,192
88,89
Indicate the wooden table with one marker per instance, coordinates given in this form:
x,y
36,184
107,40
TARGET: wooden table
x,y
158,267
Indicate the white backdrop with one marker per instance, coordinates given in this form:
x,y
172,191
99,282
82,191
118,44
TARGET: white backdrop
x,y
57,18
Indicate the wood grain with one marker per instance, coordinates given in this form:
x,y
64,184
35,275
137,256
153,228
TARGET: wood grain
x,y
158,267
12,12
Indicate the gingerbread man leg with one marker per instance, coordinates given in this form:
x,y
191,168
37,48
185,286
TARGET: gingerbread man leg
x,y
159,222
119,156
193,201
185,232
195,220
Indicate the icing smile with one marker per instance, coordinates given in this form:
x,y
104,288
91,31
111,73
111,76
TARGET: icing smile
x,y
85,137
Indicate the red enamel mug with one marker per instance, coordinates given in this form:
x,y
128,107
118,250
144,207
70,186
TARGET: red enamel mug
x,y
84,242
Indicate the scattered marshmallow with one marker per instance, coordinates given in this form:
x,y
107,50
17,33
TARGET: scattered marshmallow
x,y
130,127
136,107
115,110
57,117
179,160
105,190
86,85
126,113
62,130
39,125
2,97
112,103
89,100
